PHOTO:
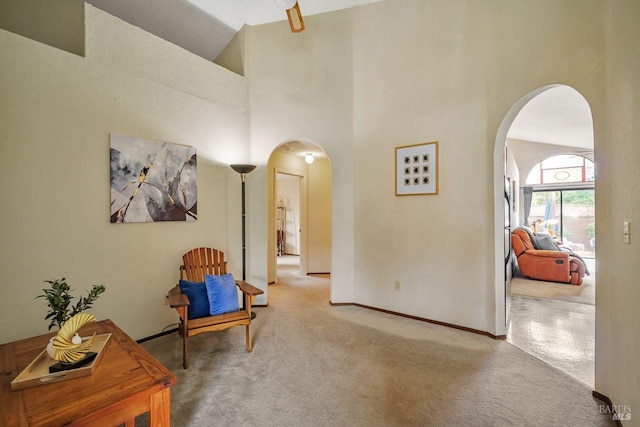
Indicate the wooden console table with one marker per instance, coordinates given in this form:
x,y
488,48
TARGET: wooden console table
x,y
127,382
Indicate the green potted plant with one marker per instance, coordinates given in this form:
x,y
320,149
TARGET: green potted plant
x,y
59,299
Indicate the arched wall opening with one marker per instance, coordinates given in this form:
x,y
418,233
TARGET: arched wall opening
x,y
500,173
309,162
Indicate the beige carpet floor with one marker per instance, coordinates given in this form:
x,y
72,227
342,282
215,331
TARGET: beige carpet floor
x,y
318,365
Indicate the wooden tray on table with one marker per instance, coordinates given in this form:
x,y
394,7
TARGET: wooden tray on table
x,y
37,373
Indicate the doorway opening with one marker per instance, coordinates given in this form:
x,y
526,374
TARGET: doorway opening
x,y
299,210
288,194
550,133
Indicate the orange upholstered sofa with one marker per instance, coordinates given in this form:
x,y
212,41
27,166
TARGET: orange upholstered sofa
x,y
548,265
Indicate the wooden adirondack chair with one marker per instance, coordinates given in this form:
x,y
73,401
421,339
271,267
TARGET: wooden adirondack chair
x,y
198,263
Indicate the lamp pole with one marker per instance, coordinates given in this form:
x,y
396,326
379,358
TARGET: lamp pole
x,y
244,170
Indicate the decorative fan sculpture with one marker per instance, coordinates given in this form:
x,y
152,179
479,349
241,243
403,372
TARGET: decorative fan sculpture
x,y
68,345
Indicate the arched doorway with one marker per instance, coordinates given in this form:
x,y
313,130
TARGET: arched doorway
x,y
553,120
299,207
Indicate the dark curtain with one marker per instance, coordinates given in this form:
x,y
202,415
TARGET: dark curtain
x,y
527,192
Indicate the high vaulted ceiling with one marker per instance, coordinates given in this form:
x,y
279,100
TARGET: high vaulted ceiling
x,y
558,116
236,13
205,27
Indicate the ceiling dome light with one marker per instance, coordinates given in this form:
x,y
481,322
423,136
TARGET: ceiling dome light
x,y
309,158
286,4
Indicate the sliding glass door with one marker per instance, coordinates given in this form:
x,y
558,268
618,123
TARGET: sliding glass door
x,y
568,215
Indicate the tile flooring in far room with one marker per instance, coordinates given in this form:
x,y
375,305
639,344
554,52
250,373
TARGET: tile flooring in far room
x,y
559,333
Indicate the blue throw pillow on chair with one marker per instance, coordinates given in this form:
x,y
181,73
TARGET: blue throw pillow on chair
x,y
223,296
198,299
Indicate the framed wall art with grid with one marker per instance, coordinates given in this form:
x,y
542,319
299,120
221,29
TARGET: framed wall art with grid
x,y
417,169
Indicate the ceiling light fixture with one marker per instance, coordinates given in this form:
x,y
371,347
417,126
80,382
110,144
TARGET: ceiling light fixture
x,y
309,158
293,14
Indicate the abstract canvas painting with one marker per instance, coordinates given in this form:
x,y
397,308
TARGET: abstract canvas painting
x,y
152,181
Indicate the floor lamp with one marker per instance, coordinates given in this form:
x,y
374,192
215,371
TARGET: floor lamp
x,y
244,170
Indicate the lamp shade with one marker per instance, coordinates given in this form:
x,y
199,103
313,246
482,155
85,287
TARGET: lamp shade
x,y
309,158
243,168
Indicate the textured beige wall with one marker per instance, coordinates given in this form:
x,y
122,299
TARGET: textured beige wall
x,y
232,56
618,200
360,84
300,88
450,73
58,23
319,217
56,113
